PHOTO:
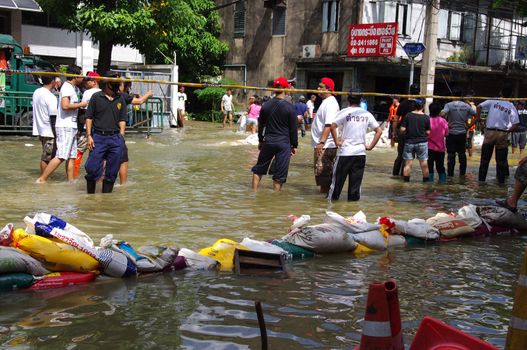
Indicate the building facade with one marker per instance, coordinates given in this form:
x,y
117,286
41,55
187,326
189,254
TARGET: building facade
x,y
308,39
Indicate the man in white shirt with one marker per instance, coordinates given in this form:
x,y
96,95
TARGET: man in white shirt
x,y
322,135
311,108
227,107
66,126
44,118
92,86
353,122
181,98
502,119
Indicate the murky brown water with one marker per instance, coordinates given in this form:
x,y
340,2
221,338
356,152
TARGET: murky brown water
x,y
189,188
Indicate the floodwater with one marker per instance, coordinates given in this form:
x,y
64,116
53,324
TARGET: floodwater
x,y
189,188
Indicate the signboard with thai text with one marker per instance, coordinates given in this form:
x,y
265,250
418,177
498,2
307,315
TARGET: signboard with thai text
x,y
372,40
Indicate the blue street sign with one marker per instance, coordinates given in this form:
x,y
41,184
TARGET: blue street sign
x,y
414,49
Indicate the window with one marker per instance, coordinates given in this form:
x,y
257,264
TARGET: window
x,y
469,25
239,19
330,16
403,19
455,26
279,15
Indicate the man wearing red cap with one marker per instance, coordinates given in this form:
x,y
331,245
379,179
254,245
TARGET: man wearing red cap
x,y
322,135
277,136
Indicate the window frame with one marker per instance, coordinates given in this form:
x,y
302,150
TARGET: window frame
x,y
330,16
240,9
275,23
402,30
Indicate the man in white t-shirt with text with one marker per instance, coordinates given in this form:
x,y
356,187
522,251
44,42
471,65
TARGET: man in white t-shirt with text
x,y
181,99
44,119
502,118
322,136
353,123
66,126
227,107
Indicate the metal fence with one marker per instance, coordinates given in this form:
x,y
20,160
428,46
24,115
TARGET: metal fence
x,y
16,115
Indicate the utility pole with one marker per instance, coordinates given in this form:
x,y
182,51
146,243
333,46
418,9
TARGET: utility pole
x,y
428,65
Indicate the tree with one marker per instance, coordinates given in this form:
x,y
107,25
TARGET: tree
x,y
156,28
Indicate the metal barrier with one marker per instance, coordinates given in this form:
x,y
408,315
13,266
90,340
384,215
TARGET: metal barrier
x,y
16,115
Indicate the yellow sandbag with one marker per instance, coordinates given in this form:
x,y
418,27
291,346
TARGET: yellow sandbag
x,y
223,252
54,255
362,250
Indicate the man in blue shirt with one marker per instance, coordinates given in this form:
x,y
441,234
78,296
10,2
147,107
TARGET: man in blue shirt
x,y
302,114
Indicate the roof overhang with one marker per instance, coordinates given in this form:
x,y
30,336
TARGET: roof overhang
x,y
23,5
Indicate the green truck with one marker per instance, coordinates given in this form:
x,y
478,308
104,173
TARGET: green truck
x,y
16,90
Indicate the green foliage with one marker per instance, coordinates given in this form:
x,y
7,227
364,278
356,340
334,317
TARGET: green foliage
x,y
209,116
212,95
156,28
464,56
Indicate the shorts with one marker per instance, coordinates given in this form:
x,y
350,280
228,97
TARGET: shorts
x,y
66,143
324,166
252,121
82,143
521,174
49,148
519,139
227,111
282,155
124,157
415,150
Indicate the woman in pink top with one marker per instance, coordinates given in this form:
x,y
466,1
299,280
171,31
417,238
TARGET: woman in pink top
x,y
436,142
253,113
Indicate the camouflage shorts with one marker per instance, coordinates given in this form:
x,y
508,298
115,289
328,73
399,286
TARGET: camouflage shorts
x,y
324,166
49,148
521,174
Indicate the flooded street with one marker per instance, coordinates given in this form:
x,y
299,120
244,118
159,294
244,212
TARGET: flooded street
x,y
189,188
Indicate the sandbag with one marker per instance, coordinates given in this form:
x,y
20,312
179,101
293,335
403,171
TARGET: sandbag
x,y
223,252
43,224
54,255
197,261
143,263
62,279
450,226
499,216
14,260
294,252
323,238
15,281
261,246
470,216
492,230
416,228
179,263
161,256
299,222
115,264
376,240
354,224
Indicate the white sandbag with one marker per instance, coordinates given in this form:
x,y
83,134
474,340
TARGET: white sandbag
x,y
375,240
46,219
324,238
470,215
115,264
13,260
416,228
261,246
355,224
450,226
503,217
197,261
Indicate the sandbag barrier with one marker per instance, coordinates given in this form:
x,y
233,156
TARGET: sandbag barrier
x,y
51,253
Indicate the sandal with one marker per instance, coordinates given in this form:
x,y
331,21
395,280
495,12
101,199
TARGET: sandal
x,y
504,204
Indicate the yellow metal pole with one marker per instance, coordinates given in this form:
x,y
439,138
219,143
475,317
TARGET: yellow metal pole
x,y
517,336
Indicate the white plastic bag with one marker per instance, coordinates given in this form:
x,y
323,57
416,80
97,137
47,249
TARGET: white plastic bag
x,y
299,222
416,228
357,223
261,246
469,215
197,261
323,238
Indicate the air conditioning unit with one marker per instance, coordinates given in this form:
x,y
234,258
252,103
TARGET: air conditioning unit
x,y
310,51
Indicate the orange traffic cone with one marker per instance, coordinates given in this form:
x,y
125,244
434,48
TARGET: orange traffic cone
x,y
381,328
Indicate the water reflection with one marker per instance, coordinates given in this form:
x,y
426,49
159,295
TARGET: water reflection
x,y
188,189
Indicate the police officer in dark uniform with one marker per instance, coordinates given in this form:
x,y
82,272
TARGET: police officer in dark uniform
x,y
105,127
